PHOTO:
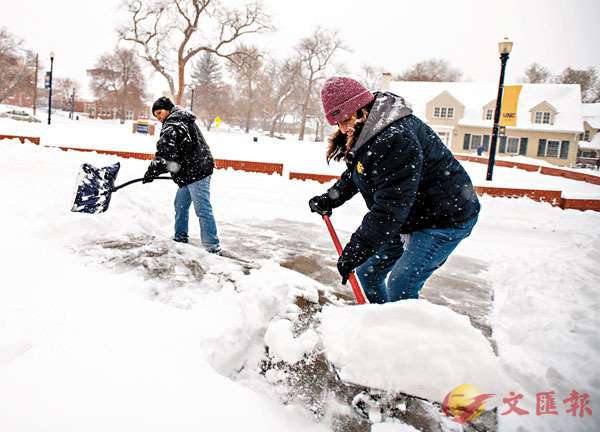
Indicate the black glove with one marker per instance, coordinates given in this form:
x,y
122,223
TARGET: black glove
x,y
344,269
148,177
351,257
320,204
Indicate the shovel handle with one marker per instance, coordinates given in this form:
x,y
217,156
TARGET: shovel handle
x,y
360,298
116,188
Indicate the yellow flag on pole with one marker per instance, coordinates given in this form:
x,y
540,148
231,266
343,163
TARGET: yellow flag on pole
x,y
510,101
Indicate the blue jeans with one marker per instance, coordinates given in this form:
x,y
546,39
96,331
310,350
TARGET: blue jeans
x,y
397,273
198,193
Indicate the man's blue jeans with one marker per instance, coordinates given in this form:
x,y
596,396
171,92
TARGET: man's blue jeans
x,y
198,193
407,269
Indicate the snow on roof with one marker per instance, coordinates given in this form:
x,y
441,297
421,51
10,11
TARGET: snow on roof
x,y
565,98
594,144
591,114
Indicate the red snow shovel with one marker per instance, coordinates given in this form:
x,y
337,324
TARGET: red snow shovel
x,y
358,292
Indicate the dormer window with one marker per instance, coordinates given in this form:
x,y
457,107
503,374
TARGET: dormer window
x,y
443,112
542,117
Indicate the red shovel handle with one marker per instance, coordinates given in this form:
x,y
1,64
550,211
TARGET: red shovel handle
x,y
360,298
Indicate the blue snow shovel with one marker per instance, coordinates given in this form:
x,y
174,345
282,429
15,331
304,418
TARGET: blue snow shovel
x,y
95,186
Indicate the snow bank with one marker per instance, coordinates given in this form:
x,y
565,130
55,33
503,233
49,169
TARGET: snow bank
x,y
413,346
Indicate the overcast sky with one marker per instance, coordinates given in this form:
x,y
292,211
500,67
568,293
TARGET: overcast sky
x,y
391,34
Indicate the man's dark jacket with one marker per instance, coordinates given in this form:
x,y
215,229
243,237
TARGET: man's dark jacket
x,y
181,149
409,179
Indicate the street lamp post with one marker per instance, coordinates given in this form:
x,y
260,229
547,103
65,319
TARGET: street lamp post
x,y
50,87
504,47
192,100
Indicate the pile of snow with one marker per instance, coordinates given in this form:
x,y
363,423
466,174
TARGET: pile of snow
x,y
413,347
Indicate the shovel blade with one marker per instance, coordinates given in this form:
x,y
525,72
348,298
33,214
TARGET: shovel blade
x,y
93,188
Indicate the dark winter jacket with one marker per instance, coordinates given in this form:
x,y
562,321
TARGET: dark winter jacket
x,y
409,179
181,149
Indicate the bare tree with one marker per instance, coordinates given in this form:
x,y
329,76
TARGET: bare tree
x,y
280,82
314,54
371,76
536,74
587,79
246,68
173,32
17,65
430,70
63,90
117,80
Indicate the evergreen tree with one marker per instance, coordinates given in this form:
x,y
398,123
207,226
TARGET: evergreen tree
x,y
207,69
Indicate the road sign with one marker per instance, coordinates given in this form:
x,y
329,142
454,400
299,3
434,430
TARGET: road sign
x,y
217,121
142,127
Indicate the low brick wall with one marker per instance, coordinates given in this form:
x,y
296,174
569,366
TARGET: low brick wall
x,y
580,204
257,167
321,178
553,197
35,140
557,172
127,155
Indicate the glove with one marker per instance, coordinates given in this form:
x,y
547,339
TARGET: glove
x,y
344,269
351,257
148,177
320,205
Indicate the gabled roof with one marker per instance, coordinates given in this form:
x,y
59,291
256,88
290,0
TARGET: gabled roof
x,y
591,114
543,105
594,144
565,98
445,93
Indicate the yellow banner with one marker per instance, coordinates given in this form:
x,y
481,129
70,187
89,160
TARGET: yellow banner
x,y
510,100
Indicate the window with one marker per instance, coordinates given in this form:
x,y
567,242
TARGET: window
x,y
476,141
129,115
473,142
489,114
542,117
552,149
443,112
586,135
512,145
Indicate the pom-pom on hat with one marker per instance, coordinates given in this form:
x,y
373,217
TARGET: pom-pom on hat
x,y
342,96
162,102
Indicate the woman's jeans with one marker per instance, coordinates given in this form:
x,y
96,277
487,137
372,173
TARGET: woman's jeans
x,y
198,193
407,269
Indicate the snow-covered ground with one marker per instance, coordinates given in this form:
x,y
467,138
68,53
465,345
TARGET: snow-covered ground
x,y
107,324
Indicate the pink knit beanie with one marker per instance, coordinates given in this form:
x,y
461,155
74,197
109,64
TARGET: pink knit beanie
x,y
342,96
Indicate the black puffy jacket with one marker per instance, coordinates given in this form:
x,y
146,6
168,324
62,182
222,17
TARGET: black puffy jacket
x,y
409,179
181,149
